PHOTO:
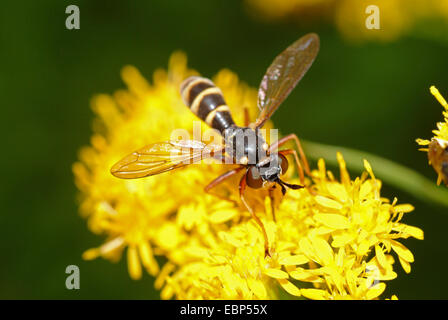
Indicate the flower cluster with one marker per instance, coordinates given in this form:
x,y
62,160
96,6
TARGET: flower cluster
x,y
396,17
333,239
437,147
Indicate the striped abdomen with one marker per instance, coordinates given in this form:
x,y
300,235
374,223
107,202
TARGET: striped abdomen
x,y
206,101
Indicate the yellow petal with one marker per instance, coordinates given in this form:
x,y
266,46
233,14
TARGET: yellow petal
x,y
321,168
436,93
403,208
410,230
230,284
365,189
323,250
335,276
314,294
196,251
289,287
303,275
306,247
375,291
345,177
338,191
381,257
340,257
415,232
402,251
335,221
275,273
91,254
363,248
328,203
284,245
406,265
111,245
422,142
351,281
148,259
166,270
134,267
368,168
293,260
257,287
389,275
221,216
168,236
321,231
167,293
340,240
227,237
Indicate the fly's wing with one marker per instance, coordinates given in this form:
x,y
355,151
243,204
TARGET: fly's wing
x,y
163,156
283,75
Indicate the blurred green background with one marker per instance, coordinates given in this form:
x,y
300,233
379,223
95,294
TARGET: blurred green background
x,y
371,96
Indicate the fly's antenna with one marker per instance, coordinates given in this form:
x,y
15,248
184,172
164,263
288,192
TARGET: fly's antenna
x,y
284,184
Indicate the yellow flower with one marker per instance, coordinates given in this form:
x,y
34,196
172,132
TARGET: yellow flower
x,y
354,232
333,239
335,235
395,16
437,148
138,214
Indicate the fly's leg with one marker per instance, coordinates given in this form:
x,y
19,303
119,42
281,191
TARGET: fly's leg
x,y
271,195
246,117
287,138
242,189
219,180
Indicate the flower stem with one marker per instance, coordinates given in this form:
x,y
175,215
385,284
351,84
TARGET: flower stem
x,y
392,173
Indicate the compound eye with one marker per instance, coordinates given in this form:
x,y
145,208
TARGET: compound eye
x,y
283,163
254,179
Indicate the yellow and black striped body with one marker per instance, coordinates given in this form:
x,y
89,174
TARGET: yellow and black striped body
x,y
207,102
243,145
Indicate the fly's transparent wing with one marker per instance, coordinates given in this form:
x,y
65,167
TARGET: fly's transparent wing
x,y
161,157
283,75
